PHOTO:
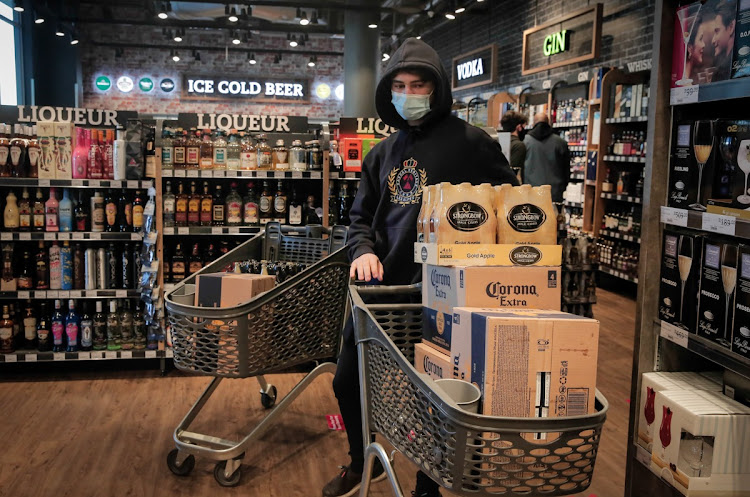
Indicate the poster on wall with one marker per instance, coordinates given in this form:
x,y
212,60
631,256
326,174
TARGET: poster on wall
x,y
274,90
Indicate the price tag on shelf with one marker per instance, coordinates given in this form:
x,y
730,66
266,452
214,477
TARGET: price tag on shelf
x,y
183,230
133,184
216,230
76,294
97,355
167,173
233,230
121,294
675,217
76,182
63,236
49,236
643,456
84,356
6,236
58,356
716,223
40,295
11,358
169,353
169,231
683,95
179,173
31,358
135,237
24,294
192,173
126,354
316,175
44,182
278,174
231,174
53,294
674,334
296,174
95,236
220,174
351,175
110,355
78,236
25,236
150,354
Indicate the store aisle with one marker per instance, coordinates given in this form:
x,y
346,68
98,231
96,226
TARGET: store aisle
x,y
107,434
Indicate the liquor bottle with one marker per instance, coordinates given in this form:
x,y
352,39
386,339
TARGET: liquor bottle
x,y
126,276
234,151
11,216
43,330
311,216
234,207
195,263
193,150
279,203
265,203
297,156
248,155
181,206
6,332
81,154
96,161
315,157
218,214
4,151
120,155
98,216
295,209
72,326
65,212
114,337
110,212
210,255
194,206
333,214
126,327
100,328
81,214
18,153
220,151
79,269
55,267
137,212
206,151
37,212
206,206
51,208
26,276
250,207
29,326
112,267
86,328
66,266
107,144
178,147
42,268
135,266
343,205
178,265
24,211
169,207
334,157
102,272
139,329
280,156
167,149
124,213
263,152
58,329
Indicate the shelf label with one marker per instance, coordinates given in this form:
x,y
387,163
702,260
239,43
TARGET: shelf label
x,y
24,295
643,456
296,174
316,175
49,237
53,295
6,236
278,174
40,295
716,223
95,236
76,294
674,334
97,355
179,173
192,173
233,230
216,230
84,355
683,95
546,84
121,294
25,236
44,182
135,237
183,231
58,356
78,236
675,217
126,354
167,174
133,184
169,353
63,236
110,355
150,354
220,174
351,175
31,357
11,358
169,231
76,182
231,174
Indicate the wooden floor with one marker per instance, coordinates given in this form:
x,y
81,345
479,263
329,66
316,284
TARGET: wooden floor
x,y
87,432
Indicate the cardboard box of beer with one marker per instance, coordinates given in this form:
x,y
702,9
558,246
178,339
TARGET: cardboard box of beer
x,y
531,362
64,135
443,288
434,364
680,278
700,445
651,383
230,289
741,317
718,281
48,159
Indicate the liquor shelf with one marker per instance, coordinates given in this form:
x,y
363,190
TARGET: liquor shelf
x,y
76,236
78,183
570,124
70,294
93,355
617,274
209,173
619,236
719,90
579,300
705,221
580,268
577,148
621,120
578,205
347,175
624,158
577,176
576,231
622,198
214,230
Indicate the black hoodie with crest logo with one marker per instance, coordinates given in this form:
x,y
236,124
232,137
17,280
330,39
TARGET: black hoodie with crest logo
x,y
394,173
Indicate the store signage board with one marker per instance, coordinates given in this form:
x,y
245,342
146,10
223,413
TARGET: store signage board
x,y
257,89
81,117
639,65
349,126
475,68
567,40
244,122
166,85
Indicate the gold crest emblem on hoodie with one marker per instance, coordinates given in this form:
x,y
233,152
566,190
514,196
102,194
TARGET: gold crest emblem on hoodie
x,y
406,183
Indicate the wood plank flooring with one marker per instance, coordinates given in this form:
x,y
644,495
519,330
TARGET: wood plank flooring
x,y
85,431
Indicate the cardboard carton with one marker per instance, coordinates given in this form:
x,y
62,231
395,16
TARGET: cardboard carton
x,y
688,187
434,364
48,159
680,278
368,144
230,289
741,49
732,178
64,133
741,317
484,254
718,281
715,463
444,288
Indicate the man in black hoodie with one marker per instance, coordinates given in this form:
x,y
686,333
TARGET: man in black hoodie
x,y
414,95
547,158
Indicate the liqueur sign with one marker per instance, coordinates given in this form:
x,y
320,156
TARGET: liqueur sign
x,y
475,68
81,117
567,40
257,89
244,122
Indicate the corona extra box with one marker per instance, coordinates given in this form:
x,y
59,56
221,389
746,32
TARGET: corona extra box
x,y
434,364
483,254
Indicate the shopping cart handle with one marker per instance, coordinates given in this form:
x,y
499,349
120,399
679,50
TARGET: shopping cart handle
x,y
364,289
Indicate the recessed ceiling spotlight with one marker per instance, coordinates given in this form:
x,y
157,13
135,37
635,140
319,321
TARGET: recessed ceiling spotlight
x,y
233,15
372,25
18,5
251,59
450,15
460,9
304,20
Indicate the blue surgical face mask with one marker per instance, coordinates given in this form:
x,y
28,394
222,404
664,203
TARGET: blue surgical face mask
x,y
410,106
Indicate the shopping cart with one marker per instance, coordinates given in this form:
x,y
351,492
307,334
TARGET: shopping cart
x,y
468,454
297,322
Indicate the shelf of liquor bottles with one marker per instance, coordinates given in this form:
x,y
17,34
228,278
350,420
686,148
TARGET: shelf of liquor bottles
x,y
625,120
75,236
577,176
570,124
618,274
94,355
78,183
621,198
69,294
215,230
623,158
706,221
619,236
209,173
577,148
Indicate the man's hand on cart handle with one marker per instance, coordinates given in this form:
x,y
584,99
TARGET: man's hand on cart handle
x,y
366,267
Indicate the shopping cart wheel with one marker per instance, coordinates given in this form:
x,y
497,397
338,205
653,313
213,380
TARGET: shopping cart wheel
x,y
232,481
268,399
183,469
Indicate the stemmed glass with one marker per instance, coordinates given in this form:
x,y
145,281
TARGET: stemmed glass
x,y
703,143
687,22
695,452
743,161
729,280
684,263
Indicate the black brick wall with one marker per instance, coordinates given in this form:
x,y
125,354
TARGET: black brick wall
x,y
627,31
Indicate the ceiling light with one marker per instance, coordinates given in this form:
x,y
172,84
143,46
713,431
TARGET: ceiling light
x,y
233,15
312,62
59,30
175,57
450,16
372,25
177,36
314,18
304,20
73,38
293,42
163,10
251,59
18,5
38,18
236,39
460,9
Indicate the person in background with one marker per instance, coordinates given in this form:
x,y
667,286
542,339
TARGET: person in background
x,y
547,158
515,123
431,146
723,37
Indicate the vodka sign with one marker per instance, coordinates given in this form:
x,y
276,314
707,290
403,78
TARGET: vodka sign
x,y
475,68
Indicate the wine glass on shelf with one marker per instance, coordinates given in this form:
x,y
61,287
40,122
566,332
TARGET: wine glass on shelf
x,y
729,280
686,17
743,161
703,143
684,264
694,452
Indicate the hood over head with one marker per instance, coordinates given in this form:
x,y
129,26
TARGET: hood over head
x,y
541,131
414,54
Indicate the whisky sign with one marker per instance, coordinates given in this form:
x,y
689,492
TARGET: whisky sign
x,y
475,68
567,40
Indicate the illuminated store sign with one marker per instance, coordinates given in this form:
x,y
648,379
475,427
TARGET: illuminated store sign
x,y
555,43
258,89
146,84
103,83
475,68
75,115
125,84
166,85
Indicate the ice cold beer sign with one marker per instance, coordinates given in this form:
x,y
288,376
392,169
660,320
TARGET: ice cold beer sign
x,y
258,89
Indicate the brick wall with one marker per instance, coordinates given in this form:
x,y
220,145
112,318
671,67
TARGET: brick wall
x,y
627,30
157,64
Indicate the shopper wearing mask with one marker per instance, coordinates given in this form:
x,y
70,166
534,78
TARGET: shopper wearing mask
x,y
515,123
431,146
547,158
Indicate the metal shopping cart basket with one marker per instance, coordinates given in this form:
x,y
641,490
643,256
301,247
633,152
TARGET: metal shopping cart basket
x,y
297,322
468,454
